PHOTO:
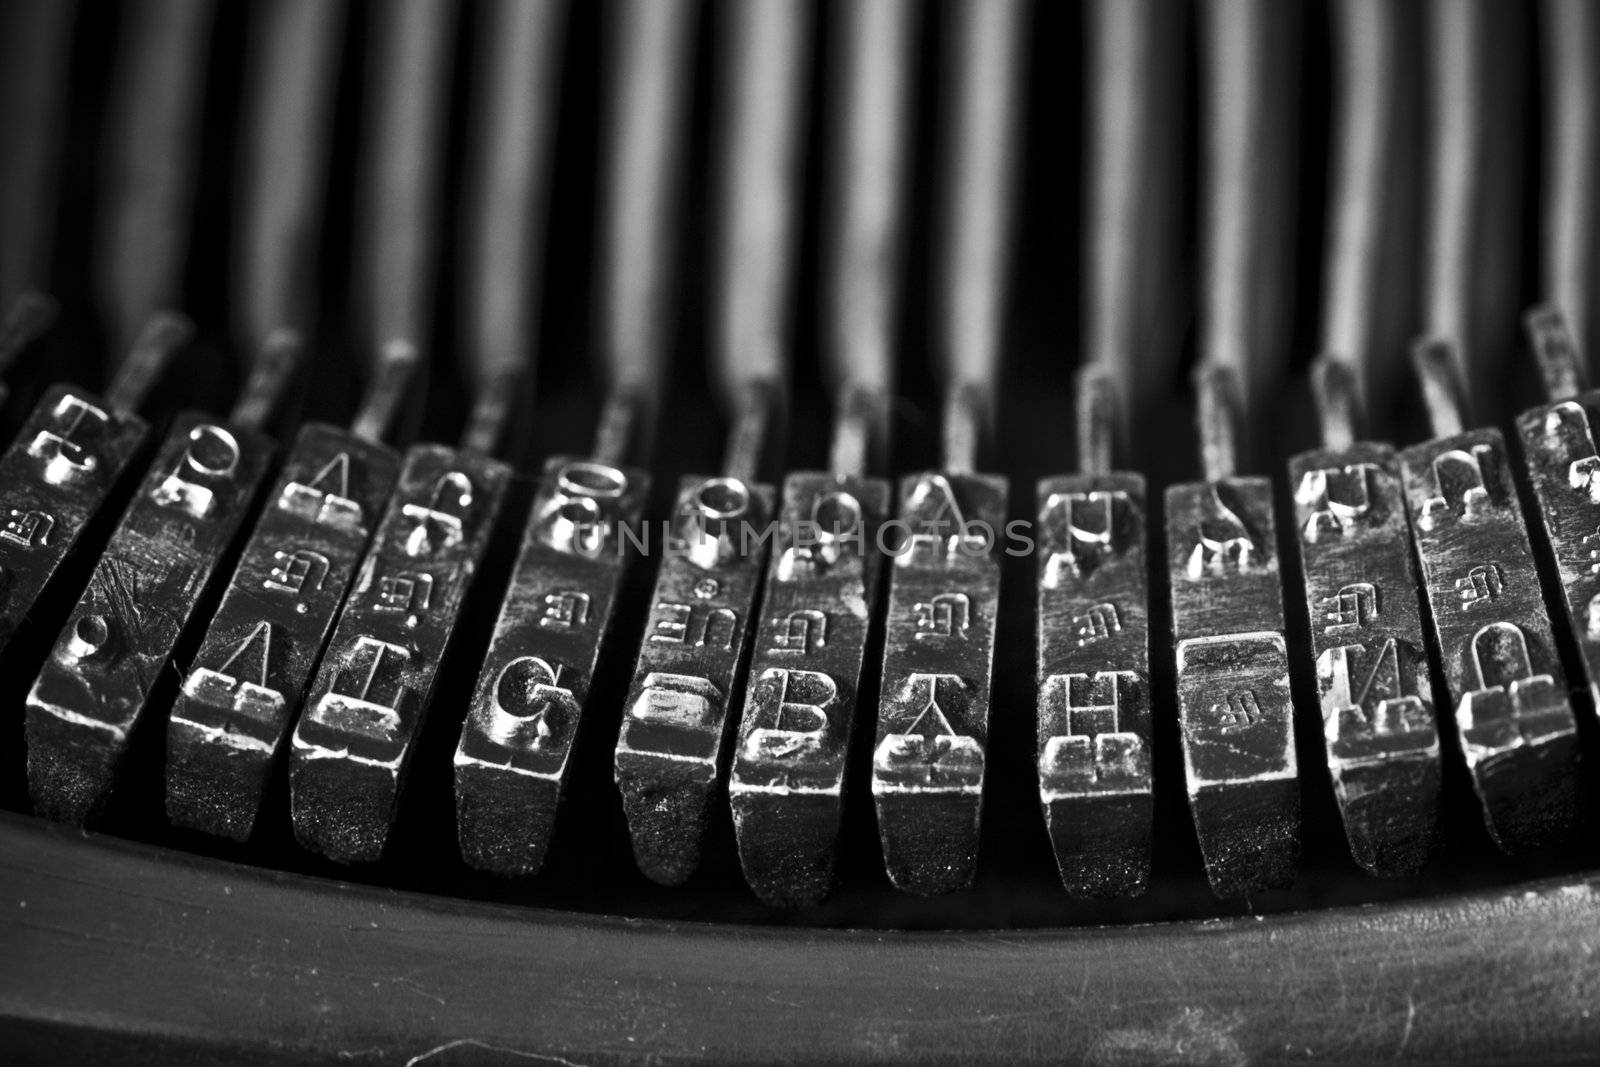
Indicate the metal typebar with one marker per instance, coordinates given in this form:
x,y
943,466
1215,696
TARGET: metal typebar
x,y
1235,711
246,683
1490,622
367,709
1360,583
1562,464
511,763
692,658
1367,634
68,459
352,748
1094,659
1497,650
686,683
933,706
159,567
789,766
1093,667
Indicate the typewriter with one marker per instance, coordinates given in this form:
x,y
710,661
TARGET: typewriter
x,y
799,530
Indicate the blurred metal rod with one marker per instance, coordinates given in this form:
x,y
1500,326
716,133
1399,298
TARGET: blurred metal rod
x,y
151,171
412,43
1099,418
648,76
1456,161
751,432
1365,75
763,61
1444,389
1122,92
1560,360
151,352
1337,396
290,103
1571,166
1219,390
967,426
872,91
624,422
386,392
983,107
273,370
509,165
859,417
269,379
494,407
1222,562
26,320
1247,186
35,48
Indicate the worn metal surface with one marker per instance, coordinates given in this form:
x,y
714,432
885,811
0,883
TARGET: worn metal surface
x,y
690,668
787,783
511,762
260,967
1497,651
66,459
928,758
1093,632
1563,468
1371,653
1235,712
247,681
353,745
126,627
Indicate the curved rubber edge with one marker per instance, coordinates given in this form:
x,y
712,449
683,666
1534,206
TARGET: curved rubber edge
x,y
122,950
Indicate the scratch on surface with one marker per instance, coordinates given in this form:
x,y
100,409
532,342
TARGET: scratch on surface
x,y
472,1042
411,985
1411,1017
1193,1035
774,998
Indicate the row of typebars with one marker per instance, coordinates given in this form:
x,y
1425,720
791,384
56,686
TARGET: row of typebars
x,y
309,593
